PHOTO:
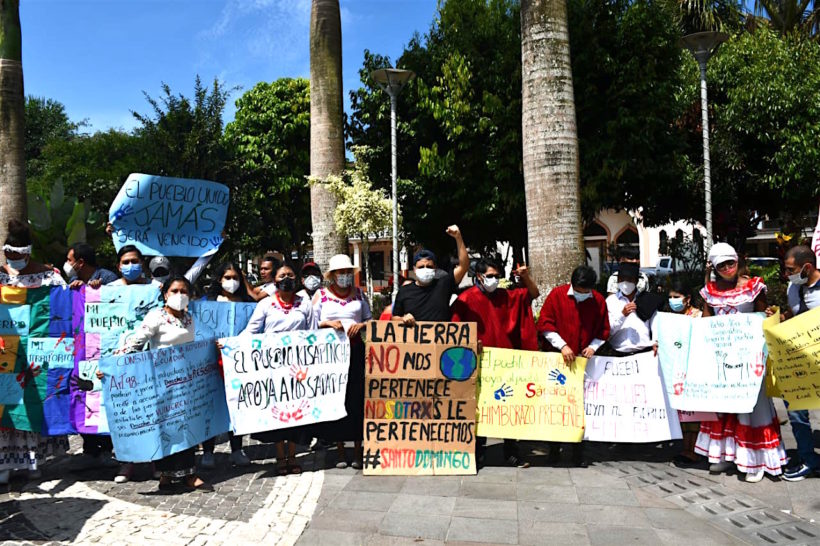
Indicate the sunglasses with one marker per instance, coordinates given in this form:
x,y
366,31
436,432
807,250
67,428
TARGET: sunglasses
x,y
726,265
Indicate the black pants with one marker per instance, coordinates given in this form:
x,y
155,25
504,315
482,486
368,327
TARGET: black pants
x,y
510,447
236,443
577,451
178,465
95,445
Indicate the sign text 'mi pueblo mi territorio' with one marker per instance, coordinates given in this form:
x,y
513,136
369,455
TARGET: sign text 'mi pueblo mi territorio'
x,y
420,403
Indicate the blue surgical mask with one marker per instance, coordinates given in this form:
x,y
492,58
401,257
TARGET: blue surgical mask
x,y
17,265
131,272
579,296
676,304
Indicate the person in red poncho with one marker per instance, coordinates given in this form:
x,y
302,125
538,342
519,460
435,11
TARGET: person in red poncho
x,y
575,322
504,319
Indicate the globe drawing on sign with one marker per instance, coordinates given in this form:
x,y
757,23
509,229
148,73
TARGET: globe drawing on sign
x,y
458,363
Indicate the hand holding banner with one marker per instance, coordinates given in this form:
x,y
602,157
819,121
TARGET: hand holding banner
x,y
169,216
794,351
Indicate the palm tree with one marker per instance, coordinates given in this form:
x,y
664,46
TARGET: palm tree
x,y
550,142
12,118
786,16
327,154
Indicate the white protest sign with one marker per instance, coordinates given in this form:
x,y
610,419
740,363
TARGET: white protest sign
x,y
287,379
713,364
624,401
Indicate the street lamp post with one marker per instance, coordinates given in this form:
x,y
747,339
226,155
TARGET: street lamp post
x,y
703,45
393,80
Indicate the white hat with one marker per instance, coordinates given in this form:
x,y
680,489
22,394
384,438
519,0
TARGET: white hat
x,y
339,261
722,252
158,262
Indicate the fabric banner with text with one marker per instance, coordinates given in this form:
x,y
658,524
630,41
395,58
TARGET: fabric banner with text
x,y
163,401
625,401
420,398
712,364
287,379
528,395
794,355
169,216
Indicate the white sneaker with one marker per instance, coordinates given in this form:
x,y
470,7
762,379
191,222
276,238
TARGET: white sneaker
x,y
207,460
239,458
124,475
4,476
755,476
722,466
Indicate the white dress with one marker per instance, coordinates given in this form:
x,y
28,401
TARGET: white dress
x,y
20,449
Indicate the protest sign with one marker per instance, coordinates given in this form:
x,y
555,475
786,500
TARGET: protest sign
x,y
625,401
102,320
169,216
529,395
713,364
794,355
218,319
163,401
35,326
420,398
287,379
696,416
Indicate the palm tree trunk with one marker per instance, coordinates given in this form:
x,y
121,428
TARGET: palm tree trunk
x,y
327,155
550,142
12,118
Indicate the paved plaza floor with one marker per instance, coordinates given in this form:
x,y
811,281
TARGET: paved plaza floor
x,y
630,495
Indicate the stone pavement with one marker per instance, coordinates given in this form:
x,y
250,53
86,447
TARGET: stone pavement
x,y
631,495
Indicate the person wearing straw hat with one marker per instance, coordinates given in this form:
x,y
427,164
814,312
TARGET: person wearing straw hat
x,y
750,441
343,306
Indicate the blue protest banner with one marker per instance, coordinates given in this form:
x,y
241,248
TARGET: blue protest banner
x,y
14,320
169,216
10,390
217,319
163,401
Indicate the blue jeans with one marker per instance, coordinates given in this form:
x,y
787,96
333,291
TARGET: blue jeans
x,y
801,428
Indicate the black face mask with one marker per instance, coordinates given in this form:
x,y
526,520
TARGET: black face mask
x,y
286,285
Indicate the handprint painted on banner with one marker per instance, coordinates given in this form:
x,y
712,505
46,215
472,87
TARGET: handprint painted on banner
x,y
558,377
28,375
121,212
287,416
503,392
298,372
216,240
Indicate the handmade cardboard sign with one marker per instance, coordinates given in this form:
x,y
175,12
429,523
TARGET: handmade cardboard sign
x,y
713,364
625,401
420,398
169,216
529,395
794,355
286,379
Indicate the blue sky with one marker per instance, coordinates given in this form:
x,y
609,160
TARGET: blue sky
x,y
98,56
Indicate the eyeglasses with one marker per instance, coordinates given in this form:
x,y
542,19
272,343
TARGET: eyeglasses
x,y
726,265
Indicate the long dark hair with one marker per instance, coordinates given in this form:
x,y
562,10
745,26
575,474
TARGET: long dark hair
x,y
18,234
177,278
215,288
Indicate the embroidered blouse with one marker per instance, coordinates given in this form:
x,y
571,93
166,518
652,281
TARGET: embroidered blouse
x,y
50,277
160,329
271,315
350,310
736,300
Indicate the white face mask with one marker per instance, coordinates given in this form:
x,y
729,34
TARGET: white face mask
x,y
344,280
425,275
798,279
69,270
489,284
312,282
230,286
626,287
581,296
177,302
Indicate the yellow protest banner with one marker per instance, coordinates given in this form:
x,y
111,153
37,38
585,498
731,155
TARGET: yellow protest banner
x,y
794,356
529,395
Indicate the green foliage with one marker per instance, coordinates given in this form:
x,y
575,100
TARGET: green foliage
x,y
46,122
764,93
269,140
57,222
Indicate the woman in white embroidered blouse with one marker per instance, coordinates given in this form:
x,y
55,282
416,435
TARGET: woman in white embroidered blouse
x,y
20,449
167,326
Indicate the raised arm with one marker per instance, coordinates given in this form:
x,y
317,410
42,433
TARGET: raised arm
x,y
463,259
